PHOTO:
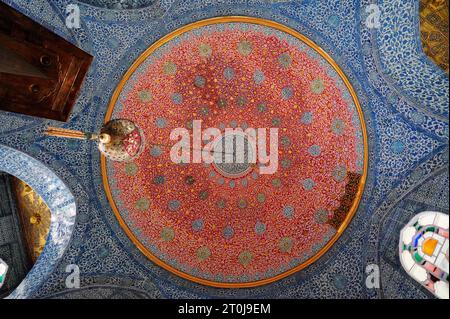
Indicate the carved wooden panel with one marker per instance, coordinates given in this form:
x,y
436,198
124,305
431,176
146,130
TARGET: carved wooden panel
x,y
40,72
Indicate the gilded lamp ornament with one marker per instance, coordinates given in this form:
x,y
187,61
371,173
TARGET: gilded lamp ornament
x,y
119,140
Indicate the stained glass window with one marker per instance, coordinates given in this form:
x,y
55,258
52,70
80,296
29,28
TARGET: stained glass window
x,y
424,251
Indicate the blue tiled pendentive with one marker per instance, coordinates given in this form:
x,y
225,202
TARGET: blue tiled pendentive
x,y
404,98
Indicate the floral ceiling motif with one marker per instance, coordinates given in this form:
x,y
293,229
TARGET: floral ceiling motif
x,y
120,4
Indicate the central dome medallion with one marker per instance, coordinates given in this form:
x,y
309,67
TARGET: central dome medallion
x,y
228,224
227,145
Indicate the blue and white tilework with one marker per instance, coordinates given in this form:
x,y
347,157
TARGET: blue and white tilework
x,y
61,203
404,97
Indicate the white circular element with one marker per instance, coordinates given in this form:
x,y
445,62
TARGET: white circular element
x,y
441,289
418,273
408,234
407,260
2,269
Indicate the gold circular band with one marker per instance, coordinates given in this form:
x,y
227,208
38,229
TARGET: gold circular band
x,y
311,44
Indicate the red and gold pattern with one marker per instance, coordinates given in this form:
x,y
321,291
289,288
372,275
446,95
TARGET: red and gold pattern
x,y
132,142
237,232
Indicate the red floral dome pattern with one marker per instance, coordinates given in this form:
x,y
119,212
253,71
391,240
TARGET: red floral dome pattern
x,y
215,228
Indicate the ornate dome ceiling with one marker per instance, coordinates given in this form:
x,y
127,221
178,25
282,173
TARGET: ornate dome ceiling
x,y
228,224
